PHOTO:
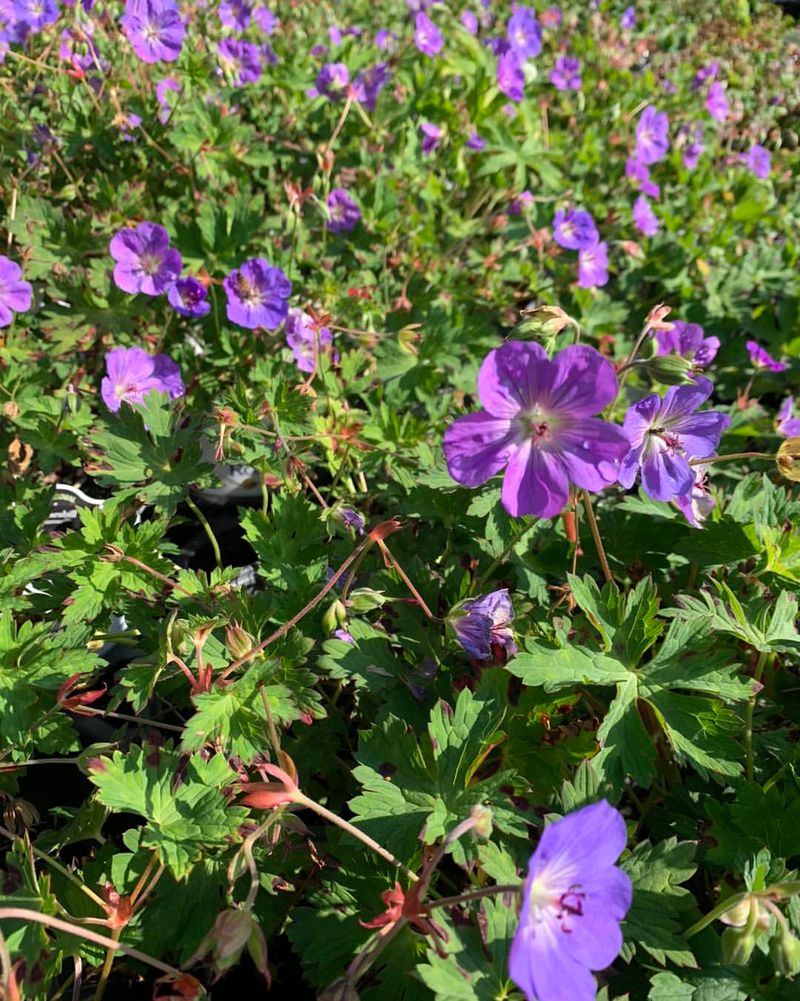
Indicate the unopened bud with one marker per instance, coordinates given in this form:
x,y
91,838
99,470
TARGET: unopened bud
x,y
542,321
738,945
482,816
408,338
340,990
784,950
238,642
671,370
657,318
365,599
227,939
745,922
335,616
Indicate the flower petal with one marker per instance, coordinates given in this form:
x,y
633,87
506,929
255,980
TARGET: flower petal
x,y
477,447
512,377
588,839
541,967
665,474
592,450
583,381
700,433
681,401
535,483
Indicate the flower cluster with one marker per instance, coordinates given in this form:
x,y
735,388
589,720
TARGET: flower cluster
x,y
575,229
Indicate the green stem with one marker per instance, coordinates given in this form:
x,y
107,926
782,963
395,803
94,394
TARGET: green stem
x,y
206,528
730,456
486,891
751,708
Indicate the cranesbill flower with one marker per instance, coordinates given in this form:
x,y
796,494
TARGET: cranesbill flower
x,y
431,135
35,14
652,140
427,37
483,626
705,73
265,20
132,374
697,504
664,433
644,218
240,59
15,294
189,297
305,340
258,295
572,905
235,14
332,81
524,33
476,142
593,266
511,76
757,160
470,22
574,229
717,103
537,424
761,358
639,173
520,202
628,20
369,83
154,28
785,424
692,135
145,261
566,74
343,213
689,341
385,39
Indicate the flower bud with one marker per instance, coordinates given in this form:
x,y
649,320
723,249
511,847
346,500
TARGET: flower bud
x,y
671,370
738,945
335,615
784,950
340,990
365,599
227,939
542,321
238,642
482,816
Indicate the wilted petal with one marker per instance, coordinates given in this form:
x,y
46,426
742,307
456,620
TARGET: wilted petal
x,y
477,447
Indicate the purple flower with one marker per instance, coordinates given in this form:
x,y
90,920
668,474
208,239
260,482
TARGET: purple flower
x,y
644,218
520,202
689,341
154,28
265,20
240,59
164,87
332,81
785,424
258,295
335,35
717,103
189,297
476,142
304,340
482,625
652,140
524,33
344,635
593,266
385,39
352,519
639,173
572,905
628,20
697,504
664,433
235,14
431,134
145,261
78,48
761,358
132,374
470,22
693,135
566,74
35,14
758,161
343,213
705,73
15,294
574,229
369,83
537,423
511,76
427,37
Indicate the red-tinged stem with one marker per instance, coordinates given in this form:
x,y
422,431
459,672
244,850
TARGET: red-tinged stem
x,y
24,914
601,552
406,579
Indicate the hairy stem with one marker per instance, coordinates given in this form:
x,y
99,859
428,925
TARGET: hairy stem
x,y
601,552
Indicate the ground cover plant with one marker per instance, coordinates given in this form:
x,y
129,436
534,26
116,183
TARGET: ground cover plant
x,y
399,550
